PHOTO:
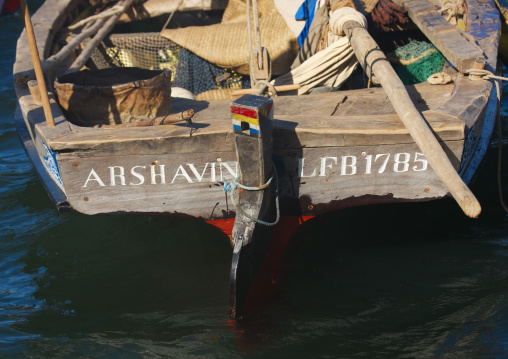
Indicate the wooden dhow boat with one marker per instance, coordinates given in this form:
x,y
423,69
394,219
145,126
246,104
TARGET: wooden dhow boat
x,y
305,155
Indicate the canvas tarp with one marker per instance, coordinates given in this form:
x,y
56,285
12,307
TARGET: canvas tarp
x,y
331,66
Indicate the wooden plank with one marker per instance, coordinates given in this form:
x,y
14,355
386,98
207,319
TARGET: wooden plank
x,y
447,38
469,103
214,133
375,101
483,22
421,133
292,131
193,183
311,104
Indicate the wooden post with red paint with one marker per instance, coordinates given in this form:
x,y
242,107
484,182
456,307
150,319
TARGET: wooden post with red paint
x,y
252,118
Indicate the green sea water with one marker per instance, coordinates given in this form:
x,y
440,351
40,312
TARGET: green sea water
x,y
398,281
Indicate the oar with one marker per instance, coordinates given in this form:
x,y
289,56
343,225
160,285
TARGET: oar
x,y
37,65
364,46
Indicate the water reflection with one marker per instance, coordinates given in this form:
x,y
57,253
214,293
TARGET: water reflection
x,y
127,276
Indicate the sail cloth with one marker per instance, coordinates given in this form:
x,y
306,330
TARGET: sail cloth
x,y
331,66
226,44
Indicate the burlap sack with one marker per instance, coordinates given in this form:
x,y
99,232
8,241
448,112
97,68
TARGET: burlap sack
x,y
226,44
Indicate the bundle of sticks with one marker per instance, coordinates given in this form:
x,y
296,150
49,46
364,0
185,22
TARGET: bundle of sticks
x,y
97,26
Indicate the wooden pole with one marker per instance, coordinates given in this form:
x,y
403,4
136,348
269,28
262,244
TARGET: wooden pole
x,y
101,34
54,60
364,46
37,65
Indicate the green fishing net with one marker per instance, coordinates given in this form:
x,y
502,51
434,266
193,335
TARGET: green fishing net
x,y
416,61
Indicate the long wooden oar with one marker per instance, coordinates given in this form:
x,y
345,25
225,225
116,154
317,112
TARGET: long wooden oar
x,y
50,121
364,46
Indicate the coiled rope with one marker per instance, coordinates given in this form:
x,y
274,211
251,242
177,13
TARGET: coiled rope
x,y
486,75
231,188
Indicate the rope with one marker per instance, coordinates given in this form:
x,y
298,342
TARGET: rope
x,y
486,75
231,188
451,8
262,85
439,78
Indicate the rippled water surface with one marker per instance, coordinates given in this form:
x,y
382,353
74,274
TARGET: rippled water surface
x,y
404,281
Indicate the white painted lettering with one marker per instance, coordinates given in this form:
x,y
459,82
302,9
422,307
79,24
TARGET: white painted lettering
x,y
229,169
195,171
385,162
344,165
154,175
368,165
301,165
422,160
138,176
404,162
212,179
181,172
120,175
324,166
95,178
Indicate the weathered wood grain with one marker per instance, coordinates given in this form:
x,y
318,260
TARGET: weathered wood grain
x,y
193,183
291,131
484,24
464,100
362,43
446,37
252,122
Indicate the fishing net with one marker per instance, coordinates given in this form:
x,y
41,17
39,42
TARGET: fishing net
x,y
198,75
416,61
151,51
148,51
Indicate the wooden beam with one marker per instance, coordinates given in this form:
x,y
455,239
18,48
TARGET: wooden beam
x,y
362,44
447,38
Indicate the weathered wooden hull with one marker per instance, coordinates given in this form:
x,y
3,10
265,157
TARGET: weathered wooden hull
x,y
331,151
311,182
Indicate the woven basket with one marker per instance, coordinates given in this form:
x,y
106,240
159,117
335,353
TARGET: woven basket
x,y
115,95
